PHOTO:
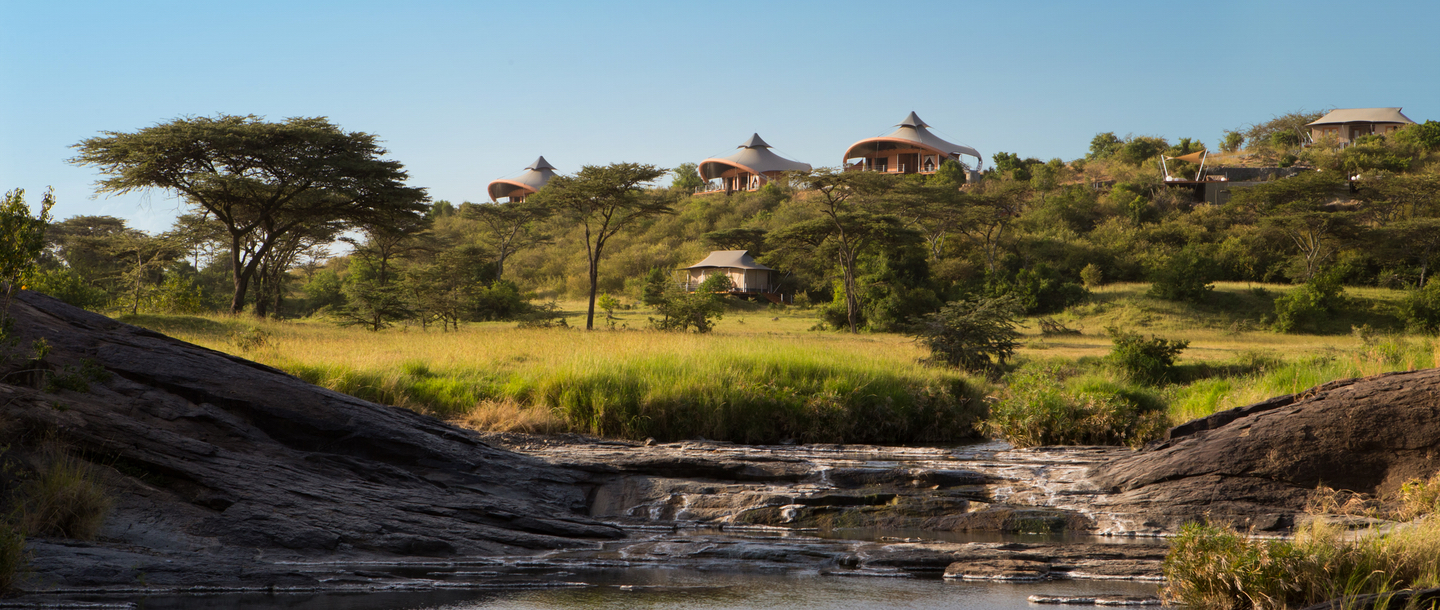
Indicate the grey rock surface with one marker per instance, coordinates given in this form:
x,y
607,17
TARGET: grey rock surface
x,y
212,457
1255,466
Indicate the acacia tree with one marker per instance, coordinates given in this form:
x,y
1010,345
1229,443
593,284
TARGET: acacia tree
x,y
849,222
511,226
1299,209
261,180
604,201
988,214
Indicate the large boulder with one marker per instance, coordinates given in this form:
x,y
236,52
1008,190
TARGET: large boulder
x,y
1256,465
213,454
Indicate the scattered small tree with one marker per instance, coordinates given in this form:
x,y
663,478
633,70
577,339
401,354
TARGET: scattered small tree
x,y
1307,306
22,237
1092,276
977,336
699,310
687,177
1188,277
1421,308
603,201
1144,360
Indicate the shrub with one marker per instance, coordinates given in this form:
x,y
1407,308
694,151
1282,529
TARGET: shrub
x,y
69,287
64,499
1232,142
698,310
1306,307
1040,289
1092,276
1144,360
973,335
1421,308
501,300
656,285
1039,409
1187,277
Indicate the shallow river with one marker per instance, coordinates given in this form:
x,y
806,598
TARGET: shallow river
x,y
672,589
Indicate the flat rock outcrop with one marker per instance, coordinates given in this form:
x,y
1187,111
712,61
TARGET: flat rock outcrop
x,y
1257,465
209,456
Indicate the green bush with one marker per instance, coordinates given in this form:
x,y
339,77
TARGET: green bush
x,y
699,310
1421,309
1039,408
1187,277
1144,360
68,286
1306,307
1040,289
973,335
501,300
1092,276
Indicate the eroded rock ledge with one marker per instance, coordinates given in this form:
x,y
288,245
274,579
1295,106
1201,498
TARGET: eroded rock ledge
x,y
229,474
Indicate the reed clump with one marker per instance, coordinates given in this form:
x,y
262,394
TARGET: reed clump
x,y
64,499
1214,567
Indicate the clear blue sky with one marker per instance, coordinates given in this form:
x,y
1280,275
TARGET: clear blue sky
x,y
466,92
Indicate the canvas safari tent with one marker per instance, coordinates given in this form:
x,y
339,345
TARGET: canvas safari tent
x,y
910,149
747,169
747,276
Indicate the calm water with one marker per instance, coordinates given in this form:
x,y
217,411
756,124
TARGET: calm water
x,y
635,589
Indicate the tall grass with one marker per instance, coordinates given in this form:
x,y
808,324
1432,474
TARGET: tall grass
x,y
1216,568
1253,377
762,377
64,499
748,385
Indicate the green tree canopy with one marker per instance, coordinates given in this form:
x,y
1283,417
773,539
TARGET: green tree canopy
x,y
256,177
604,200
687,177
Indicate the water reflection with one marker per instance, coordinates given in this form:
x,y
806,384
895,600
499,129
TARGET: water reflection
x,y
643,589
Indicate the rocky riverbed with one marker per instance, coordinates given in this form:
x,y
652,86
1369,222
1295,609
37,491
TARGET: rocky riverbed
x,y
229,475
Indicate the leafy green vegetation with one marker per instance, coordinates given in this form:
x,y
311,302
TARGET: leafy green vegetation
x,y
1060,405
1149,361
976,336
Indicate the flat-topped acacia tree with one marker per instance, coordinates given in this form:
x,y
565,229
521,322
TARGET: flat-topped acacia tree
x,y
261,180
604,200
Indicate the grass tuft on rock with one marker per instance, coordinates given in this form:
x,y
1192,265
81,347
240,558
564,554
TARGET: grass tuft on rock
x,y
65,499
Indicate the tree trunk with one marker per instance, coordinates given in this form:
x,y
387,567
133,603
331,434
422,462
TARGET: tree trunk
x,y
852,304
594,283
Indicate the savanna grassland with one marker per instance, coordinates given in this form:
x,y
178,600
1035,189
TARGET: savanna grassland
x,y
764,375
760,377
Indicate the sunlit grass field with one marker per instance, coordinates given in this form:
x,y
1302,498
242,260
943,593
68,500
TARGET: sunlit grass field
x,y
765,376
762,377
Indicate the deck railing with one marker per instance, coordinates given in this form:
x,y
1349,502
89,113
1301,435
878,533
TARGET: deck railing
x,y
693,286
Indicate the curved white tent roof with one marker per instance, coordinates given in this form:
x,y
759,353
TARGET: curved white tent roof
x,y
912,133
754,157
537,174
1363,115
729,259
